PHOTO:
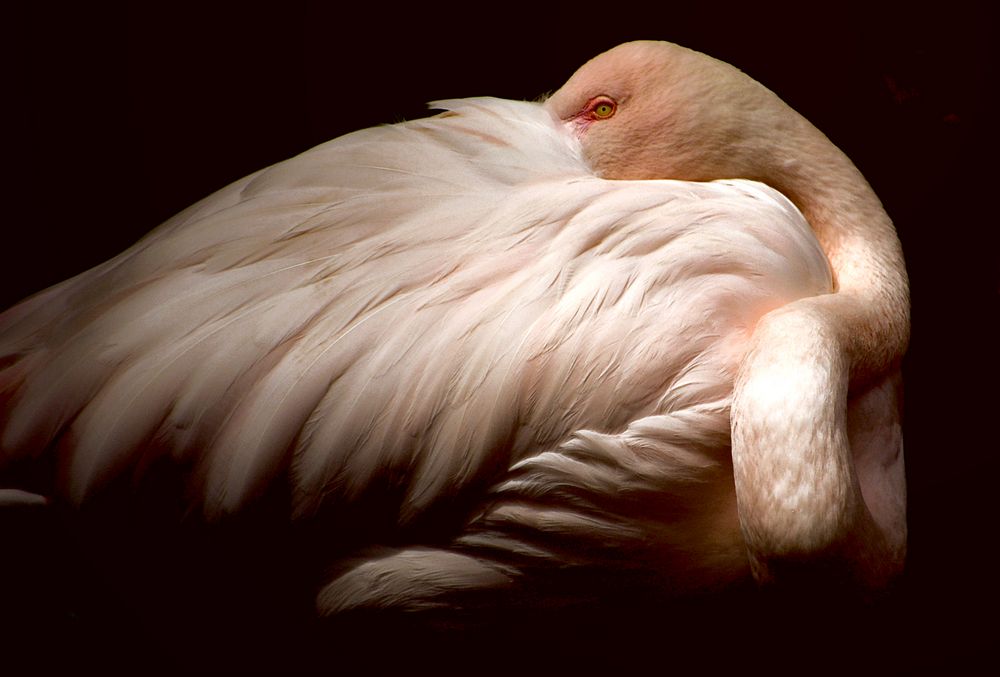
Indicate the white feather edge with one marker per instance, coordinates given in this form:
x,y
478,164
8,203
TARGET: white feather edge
x,y
254,330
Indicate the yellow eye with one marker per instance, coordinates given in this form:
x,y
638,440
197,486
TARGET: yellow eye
x,y
602,109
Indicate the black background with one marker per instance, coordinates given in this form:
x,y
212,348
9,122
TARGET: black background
x,y
118,117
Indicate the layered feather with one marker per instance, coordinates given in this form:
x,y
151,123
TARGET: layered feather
x,y
449,311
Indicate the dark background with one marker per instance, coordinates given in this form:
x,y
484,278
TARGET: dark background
x,y
118,117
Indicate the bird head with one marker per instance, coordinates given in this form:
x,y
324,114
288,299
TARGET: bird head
x,y
655,110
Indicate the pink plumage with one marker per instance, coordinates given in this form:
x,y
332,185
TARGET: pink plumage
x,y
478,326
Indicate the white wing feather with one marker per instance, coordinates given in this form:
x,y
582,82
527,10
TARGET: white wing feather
x,y
415,310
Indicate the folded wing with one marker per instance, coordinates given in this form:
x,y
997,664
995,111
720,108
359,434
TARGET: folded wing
x,y
409,314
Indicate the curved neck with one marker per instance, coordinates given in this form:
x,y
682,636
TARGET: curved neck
x,y
797,488
871,299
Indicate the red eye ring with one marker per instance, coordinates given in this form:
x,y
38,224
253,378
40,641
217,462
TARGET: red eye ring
x,y
601,108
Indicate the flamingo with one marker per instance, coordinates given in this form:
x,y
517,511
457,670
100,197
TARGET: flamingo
x,y
649,328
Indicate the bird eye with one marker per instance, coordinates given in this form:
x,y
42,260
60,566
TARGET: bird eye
x,y
602,108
